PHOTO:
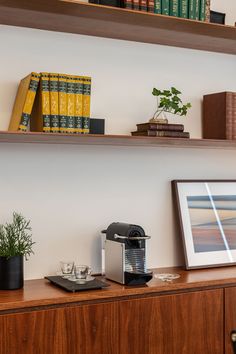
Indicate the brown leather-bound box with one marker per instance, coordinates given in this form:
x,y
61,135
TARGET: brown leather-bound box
x,y
219,116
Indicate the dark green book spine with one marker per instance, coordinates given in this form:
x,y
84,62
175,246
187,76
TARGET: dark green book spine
x,y
202,16
183,8
165,7
194,9
157,6
174,8
197,10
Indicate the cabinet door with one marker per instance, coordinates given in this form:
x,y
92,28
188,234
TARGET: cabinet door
x,y
230,317
86,329
189,323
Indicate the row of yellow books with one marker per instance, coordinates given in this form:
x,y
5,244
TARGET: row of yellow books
x,y
52,102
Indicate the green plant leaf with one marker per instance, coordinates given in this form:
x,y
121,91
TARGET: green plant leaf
x,y
16,238
174,91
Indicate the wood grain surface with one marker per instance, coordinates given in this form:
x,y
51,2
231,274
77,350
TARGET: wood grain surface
x,y
41,293
177,324
114,140
104,21
75,330
230,317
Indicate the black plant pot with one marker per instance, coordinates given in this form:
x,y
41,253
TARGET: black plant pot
x,y
11,273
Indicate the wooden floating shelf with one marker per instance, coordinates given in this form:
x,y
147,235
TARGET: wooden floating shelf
x,y
110,22
114,140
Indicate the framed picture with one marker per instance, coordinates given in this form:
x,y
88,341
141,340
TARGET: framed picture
x,y
207,218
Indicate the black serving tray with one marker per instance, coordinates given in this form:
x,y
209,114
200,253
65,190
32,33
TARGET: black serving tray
x,y
73,286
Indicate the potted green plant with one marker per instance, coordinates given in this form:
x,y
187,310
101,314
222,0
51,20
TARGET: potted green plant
x,y
15,244
168,101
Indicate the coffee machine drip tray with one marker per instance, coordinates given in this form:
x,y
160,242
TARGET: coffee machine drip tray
x,y
136,278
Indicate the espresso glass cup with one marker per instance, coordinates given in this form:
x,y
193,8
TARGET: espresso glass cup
x,y
67,268
81,272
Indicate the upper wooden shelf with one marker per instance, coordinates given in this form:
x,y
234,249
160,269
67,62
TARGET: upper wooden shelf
x,y
115,140
110,22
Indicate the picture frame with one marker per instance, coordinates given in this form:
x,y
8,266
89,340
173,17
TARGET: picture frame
x,y
206,211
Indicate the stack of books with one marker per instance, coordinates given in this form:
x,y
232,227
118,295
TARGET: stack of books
x,y
219,116
161,130
192,9
52,103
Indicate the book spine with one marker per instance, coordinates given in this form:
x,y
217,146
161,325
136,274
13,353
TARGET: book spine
x,y
183,8
197,10
167,127
86,104
135,4
54,102
150,5
174,8
62,88
79,105
162,133
208,10
45,98
202,15
29,101
143,5
229,116
165,7
128,4
157,6
71,104
234,114
191,13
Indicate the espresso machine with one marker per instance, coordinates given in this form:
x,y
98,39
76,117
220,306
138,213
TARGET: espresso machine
x,y
125,254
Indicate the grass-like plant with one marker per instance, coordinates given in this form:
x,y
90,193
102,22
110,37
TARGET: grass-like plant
x,y
16,238
170,102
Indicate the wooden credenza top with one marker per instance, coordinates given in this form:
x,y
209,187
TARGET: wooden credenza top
x,y
41,293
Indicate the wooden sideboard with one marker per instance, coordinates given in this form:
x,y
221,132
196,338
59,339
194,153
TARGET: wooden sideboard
x,y
194,314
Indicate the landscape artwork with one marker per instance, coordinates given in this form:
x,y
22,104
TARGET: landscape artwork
x,y
213,222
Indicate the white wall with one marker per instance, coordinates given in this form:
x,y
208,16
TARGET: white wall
x,y
72,192
228,7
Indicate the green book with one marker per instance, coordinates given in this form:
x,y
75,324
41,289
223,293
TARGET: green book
x,y
183,8
165,7
157,6
202,15
174,8
194,9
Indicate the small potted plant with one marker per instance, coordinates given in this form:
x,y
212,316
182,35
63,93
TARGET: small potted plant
x,y
15,244
168,101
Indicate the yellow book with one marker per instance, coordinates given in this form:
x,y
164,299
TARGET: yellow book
x,y
45,99
24,102
86,103
40,121
62,88
79,104
54,102
71,82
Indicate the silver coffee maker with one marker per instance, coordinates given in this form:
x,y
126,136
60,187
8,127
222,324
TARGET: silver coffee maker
x,y
125,254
